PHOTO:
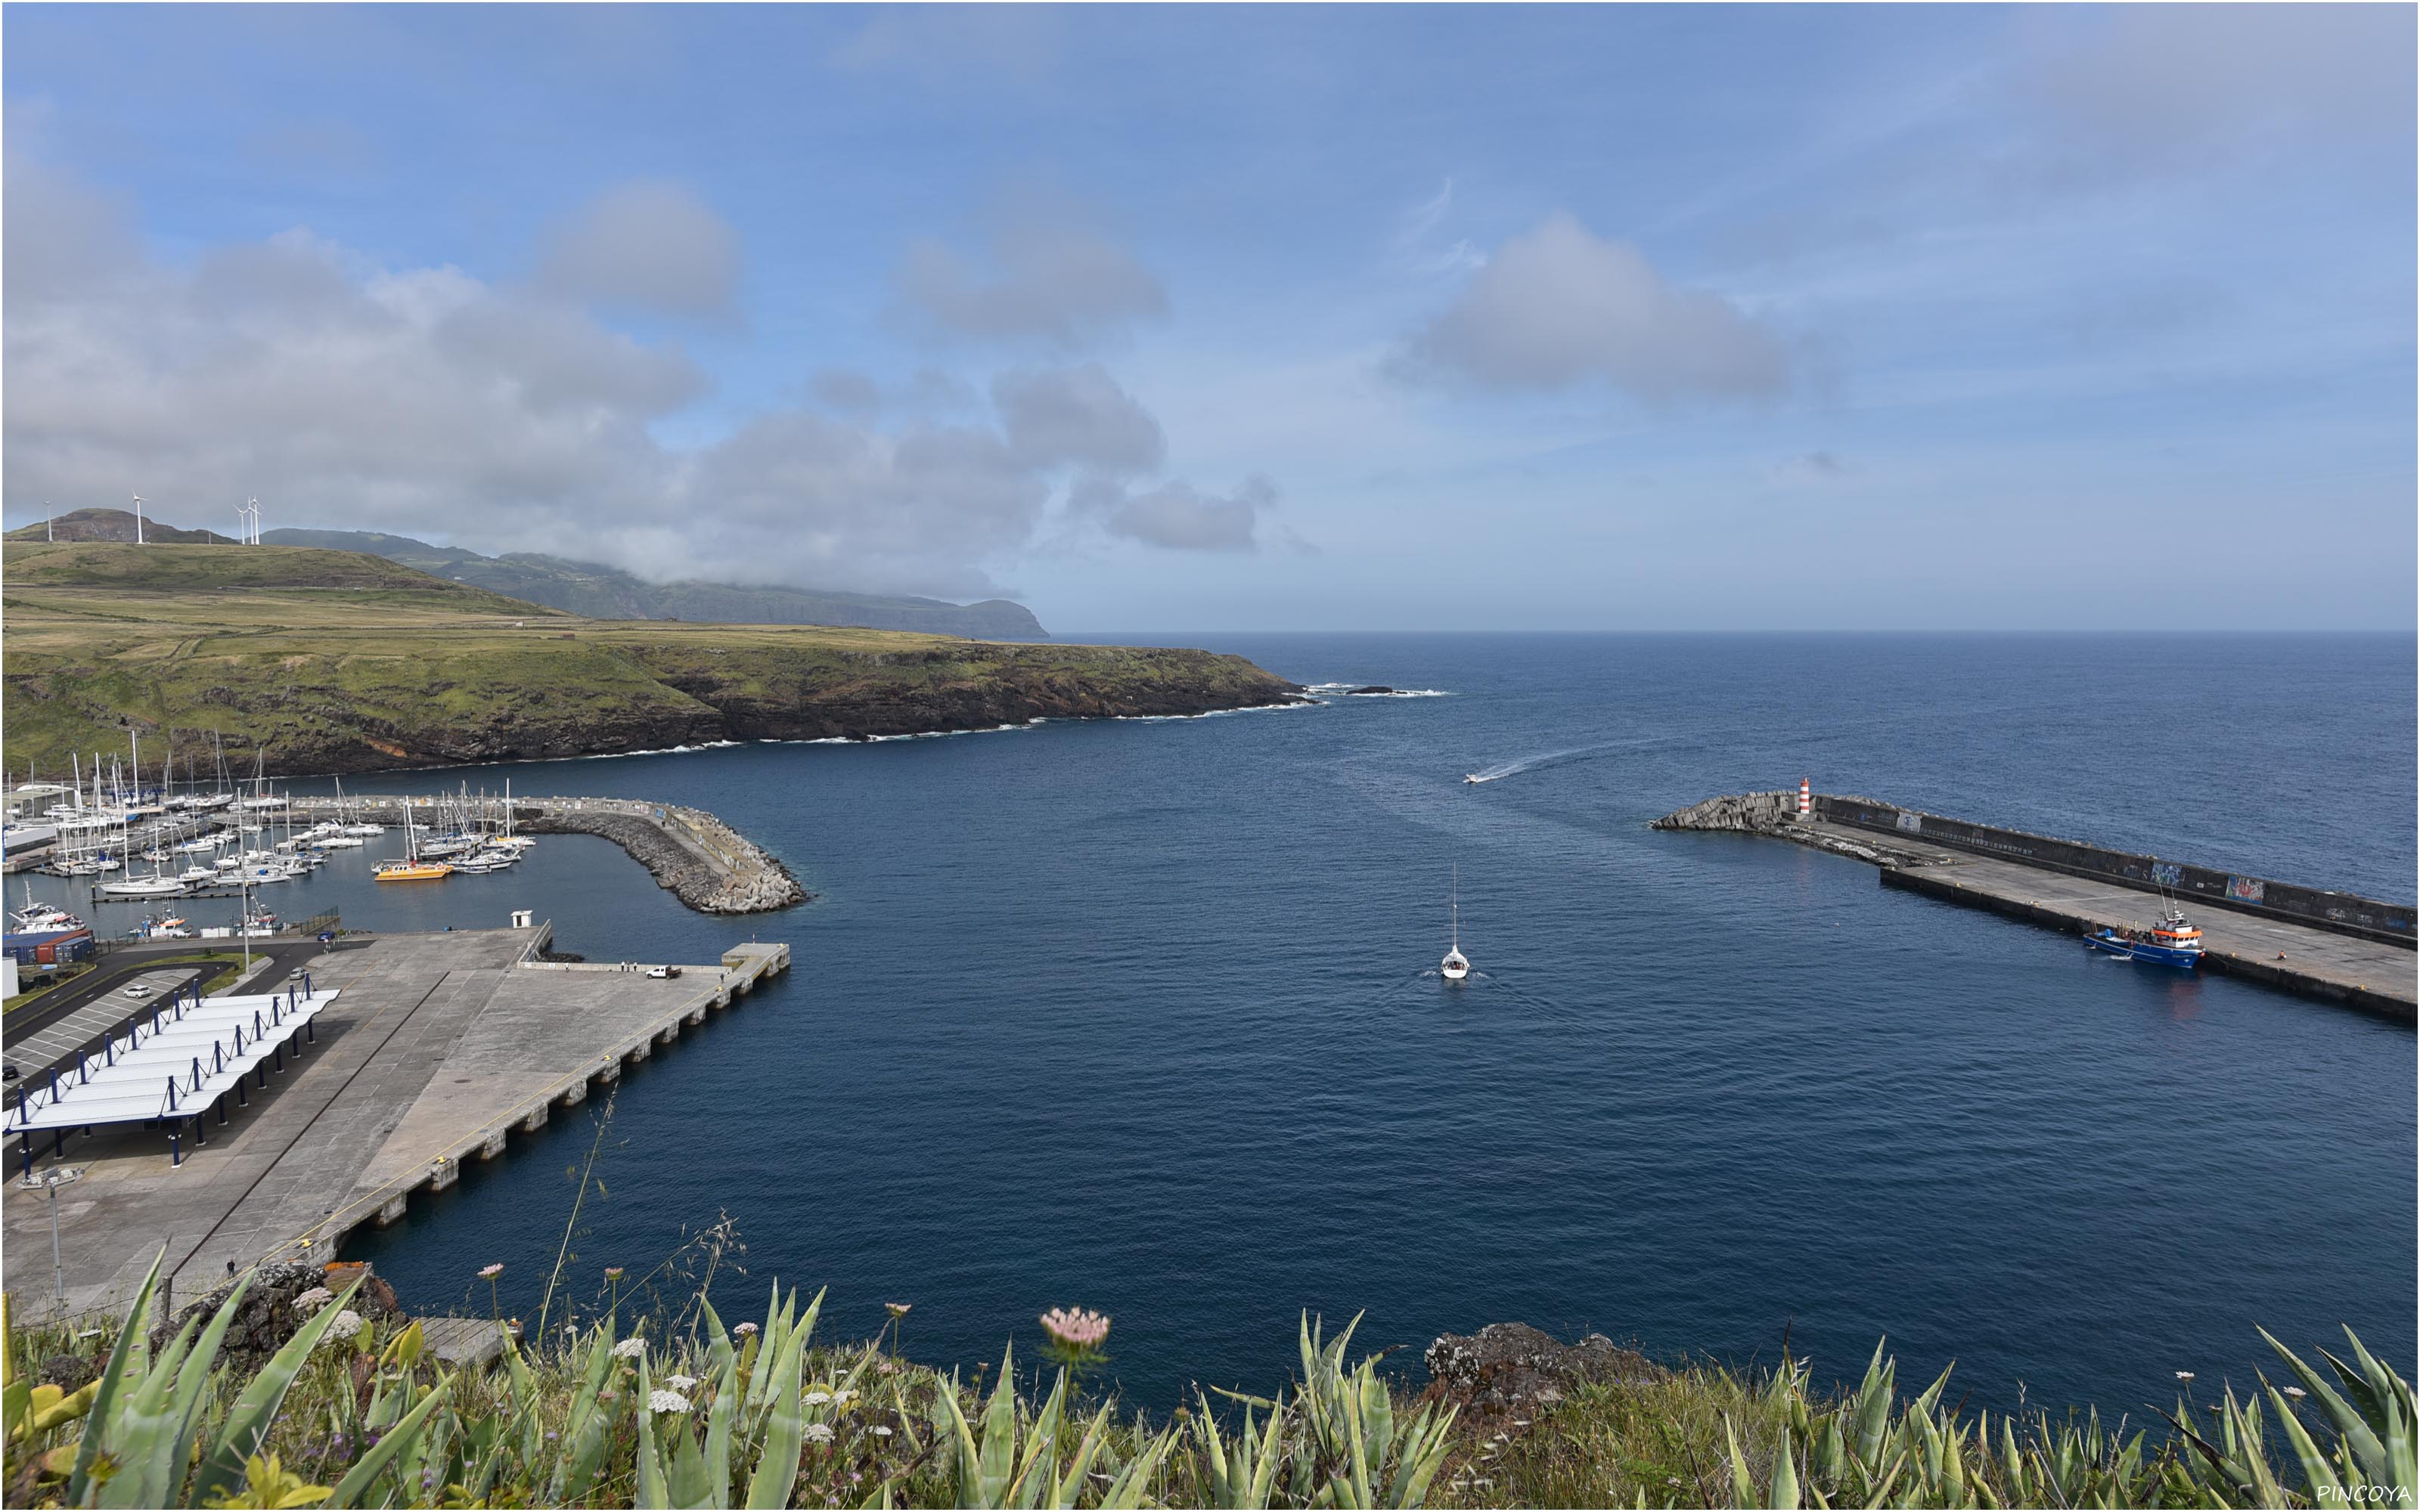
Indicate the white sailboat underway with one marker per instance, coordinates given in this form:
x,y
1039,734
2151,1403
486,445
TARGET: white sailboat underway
x,y
1456,966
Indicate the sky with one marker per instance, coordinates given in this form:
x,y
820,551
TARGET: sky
x,y
1566,317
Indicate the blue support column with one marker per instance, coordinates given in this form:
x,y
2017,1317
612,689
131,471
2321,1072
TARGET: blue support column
x,y
176,1144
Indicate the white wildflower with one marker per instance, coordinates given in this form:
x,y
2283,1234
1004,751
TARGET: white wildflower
x,y
667,1401
2184,1375
817,1399
820,1433
630,1349
881,1432
680,1382
345,1324
2296,1391
311,1300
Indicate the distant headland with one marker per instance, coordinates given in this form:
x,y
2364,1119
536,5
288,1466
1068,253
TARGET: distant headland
x,y
299,659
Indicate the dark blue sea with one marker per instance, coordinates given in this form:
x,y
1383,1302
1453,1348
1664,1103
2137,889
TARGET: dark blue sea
x,y
1131,1015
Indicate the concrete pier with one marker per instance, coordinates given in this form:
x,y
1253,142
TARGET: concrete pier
x,y
2368,970
438,1048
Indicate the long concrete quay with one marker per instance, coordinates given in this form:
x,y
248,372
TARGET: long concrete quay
x,y
437,1049
2376,975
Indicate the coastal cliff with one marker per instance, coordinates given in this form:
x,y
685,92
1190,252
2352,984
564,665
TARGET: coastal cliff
x,y
315,661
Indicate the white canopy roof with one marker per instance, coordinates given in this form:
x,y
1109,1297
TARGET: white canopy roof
x,y
172,1064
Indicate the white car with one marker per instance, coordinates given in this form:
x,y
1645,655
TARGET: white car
x,y
663,973
138,990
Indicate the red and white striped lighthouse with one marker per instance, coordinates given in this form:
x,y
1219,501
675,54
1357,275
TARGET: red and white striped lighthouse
x,y
1805,799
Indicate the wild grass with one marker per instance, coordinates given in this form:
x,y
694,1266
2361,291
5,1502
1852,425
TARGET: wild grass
x,y
670,1406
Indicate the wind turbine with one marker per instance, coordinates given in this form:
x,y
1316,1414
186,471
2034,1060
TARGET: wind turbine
x,y
254,506
138,519
46,521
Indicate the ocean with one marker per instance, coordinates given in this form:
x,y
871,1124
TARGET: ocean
x,y
1141,1016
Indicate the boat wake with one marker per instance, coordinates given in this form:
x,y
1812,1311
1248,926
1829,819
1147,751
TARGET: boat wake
x,y
1530,764
1493,982
1558,758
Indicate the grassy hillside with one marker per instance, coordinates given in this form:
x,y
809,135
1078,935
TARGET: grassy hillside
x,y
112,525
608,592
336,661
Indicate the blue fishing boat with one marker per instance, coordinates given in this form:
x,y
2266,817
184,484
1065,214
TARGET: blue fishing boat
x,y
2171,942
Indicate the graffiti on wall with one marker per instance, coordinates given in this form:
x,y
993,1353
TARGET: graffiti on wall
x,y
2168,874
1913,824
2247,890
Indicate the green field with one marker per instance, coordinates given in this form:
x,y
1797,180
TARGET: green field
x,y
333,661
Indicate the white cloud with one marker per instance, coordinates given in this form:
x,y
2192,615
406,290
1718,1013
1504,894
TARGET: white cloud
x,y
1051,276
1557,305
1076,415
1181,518
648,244
429,402
2135,87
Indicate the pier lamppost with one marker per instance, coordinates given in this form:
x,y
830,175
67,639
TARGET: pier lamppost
x,y
54,1178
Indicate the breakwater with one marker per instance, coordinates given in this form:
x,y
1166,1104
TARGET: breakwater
x,y
692,854
2328,945
2343,912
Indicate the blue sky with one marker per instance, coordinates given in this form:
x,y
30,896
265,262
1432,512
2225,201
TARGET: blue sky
x,y
1558,317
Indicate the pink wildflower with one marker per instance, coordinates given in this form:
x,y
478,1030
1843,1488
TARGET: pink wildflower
x,y
1075,1328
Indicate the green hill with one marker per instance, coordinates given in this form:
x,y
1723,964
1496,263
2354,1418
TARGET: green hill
x,y
114,525
338,662
608,592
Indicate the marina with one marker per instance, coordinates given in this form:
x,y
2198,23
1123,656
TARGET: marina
x,y
703,861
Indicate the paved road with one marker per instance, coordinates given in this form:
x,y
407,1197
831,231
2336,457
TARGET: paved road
x,y
76,1016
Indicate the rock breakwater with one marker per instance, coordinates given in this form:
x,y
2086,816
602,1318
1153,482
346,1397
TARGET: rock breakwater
x,y
697,857
1775,814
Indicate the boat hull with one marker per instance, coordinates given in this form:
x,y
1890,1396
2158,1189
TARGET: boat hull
x,y
2144,950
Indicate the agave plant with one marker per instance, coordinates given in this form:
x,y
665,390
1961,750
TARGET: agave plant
x,y
1921,1455
1242,1473
142,1417
1361,1458
1001,1469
